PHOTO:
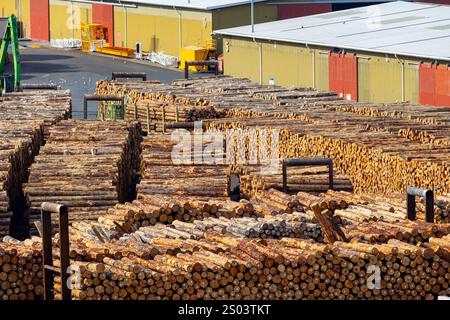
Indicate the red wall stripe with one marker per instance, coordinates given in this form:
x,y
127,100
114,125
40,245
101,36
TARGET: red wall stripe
x,y
343,72
434,84
104,14
39,20
287,11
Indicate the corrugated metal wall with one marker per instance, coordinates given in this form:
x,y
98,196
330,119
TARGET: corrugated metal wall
x,y
288,11
364,79
241,59
40,20
66,18
343,75
21,9
322,74
411,81
158,29
434,84
277,59
385,84
104,14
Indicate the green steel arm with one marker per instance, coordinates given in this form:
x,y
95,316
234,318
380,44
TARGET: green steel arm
x,y
11,36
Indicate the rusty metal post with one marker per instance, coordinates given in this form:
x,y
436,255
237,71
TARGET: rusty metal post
x,y
298,162
428,196
50,270
206,63
129,75
107,98
186,70
32,86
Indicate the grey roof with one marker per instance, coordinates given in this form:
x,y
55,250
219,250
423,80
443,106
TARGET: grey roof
x,y
402,28
3,23
195,4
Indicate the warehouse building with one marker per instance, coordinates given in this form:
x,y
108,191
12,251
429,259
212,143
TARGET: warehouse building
x,y
160,25
397,51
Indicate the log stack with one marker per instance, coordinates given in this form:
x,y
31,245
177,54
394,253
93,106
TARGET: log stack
x,y
167,169
269,269
149,210
21,275
317,123
154,114
87,165
307,179
24,122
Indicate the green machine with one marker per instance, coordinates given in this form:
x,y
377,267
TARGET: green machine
x,y
10,36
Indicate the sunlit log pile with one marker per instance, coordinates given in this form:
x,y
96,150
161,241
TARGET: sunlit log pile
x,y
305,179
21,275
87,165
168,169
227,267
24,121
153,114
152,209
381,151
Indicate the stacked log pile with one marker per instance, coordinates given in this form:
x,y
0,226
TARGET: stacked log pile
x,y
168,169
375,161
372,207
310,119
47,107
152,113
21,275
152,209
270,269
294,225
24,122
87,165
306,179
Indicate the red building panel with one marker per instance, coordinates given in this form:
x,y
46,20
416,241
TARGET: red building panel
x,y
40,20
288,11
104,14
426,84
343,72
434,84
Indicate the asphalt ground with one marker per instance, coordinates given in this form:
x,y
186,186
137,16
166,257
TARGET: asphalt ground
x,y
78,71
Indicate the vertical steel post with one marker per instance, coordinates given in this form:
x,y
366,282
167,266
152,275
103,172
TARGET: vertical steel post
x,y
50,270
252,17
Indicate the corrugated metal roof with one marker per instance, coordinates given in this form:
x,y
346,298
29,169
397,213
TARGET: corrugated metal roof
x,y
194,4
402,28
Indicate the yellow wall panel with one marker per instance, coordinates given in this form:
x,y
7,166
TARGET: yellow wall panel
x,y
240,16
412,81
158,29
242,59
8,7
21,9
66,18
24,17
322,69
289,65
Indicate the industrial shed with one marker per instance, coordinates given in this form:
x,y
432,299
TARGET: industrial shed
x,y
398,51
160,25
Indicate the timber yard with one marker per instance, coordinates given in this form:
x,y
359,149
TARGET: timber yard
x,y
224,150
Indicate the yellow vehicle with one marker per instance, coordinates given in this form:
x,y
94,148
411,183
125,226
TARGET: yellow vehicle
x,y
195,53
93,40
92,37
